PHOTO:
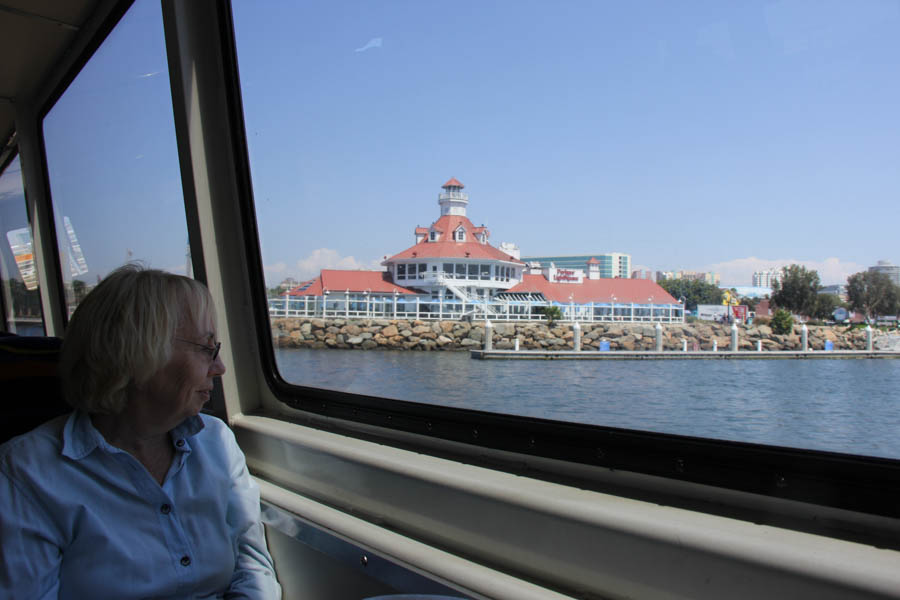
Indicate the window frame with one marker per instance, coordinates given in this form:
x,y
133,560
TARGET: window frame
x,y
506,442
856,483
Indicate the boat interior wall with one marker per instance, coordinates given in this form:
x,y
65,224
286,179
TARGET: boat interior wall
x,y
30,383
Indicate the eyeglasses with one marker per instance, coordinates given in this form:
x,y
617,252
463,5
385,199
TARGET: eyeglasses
x,y
211,351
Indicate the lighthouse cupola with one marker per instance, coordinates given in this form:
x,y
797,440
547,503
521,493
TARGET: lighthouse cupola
x,y
453,200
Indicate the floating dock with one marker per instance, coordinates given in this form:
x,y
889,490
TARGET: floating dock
x,y
679,355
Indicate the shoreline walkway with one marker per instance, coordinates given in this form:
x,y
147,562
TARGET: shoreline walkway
x,y
679,355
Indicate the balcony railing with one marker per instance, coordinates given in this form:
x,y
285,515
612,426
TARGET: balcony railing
x,y
399,307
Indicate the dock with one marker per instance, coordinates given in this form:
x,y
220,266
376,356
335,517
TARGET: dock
x,y
680,355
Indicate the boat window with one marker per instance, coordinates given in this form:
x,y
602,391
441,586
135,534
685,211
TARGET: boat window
x,y
113,162
720,138
21,300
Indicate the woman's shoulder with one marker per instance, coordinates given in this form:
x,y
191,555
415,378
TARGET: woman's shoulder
x,y
214,430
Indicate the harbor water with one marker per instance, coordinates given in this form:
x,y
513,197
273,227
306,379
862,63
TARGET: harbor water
x,y
850,406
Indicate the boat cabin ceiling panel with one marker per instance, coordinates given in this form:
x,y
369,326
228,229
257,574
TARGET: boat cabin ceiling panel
x,y
35,36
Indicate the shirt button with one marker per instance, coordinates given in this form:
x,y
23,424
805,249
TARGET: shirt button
x,y
179,443
165,509
185,561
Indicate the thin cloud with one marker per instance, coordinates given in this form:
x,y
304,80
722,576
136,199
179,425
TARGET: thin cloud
x,y
146,75
312,265
326,258
373,43
740,270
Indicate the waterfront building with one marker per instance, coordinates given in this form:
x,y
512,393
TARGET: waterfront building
x,y
452,271
766,278
889,269
705,276
453,257
838,290
643,274
612,264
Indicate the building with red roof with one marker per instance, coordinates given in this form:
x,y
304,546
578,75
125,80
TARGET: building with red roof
x,y
452,270
452,258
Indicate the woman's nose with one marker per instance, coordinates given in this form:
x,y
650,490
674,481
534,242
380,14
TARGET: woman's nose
x,y
217,367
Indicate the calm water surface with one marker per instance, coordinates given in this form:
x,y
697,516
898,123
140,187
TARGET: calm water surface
x,y
839,405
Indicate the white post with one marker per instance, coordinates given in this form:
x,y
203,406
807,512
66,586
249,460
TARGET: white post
x,y
684,344
759,345
488,335
347,304
715,345
804,338
417,308
659,338
576,339
868,338
516,344
287,304
734,337
395,305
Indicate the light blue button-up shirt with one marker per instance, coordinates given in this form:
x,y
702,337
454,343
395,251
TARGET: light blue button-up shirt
x,y
80,518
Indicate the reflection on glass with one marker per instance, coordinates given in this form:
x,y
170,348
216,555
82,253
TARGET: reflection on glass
x,y
113,162
696,142
21,296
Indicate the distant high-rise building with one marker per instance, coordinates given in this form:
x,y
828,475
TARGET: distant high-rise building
x,y
643,274
766,278
612,264
705,276
889,269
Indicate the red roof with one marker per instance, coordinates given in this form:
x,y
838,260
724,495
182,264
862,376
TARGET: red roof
x,y
447,248
593,261
335,280
596,290
454,182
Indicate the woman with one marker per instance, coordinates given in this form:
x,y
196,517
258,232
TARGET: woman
x,y
135,494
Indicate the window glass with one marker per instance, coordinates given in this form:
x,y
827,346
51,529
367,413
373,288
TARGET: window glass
x,y
113,162
21,293
730,137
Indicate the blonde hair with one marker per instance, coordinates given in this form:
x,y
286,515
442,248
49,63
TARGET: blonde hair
x,y
122,333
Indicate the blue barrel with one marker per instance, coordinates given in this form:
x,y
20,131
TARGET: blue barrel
x,y
604,346
829,345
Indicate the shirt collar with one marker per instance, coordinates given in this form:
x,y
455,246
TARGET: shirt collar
x,y
80,437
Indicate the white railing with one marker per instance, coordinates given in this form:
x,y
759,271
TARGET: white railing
x,y
453,196
418,308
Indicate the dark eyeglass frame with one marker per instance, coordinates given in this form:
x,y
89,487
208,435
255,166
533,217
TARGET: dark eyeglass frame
x,y
211,351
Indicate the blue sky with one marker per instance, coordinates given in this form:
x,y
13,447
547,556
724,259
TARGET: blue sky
x,y
714,135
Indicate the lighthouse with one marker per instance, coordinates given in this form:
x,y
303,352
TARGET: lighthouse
x,y
453,200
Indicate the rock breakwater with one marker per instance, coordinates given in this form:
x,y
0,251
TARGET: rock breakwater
x,y
400,334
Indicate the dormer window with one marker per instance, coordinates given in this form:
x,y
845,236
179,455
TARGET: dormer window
x,y
432,236
459,235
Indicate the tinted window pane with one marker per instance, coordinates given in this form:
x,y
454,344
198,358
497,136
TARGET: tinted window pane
x,y
113,162
21,294
699,140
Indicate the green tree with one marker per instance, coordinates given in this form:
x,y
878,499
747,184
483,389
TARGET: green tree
x,y
825,306
551,313
693,291
782,322
873,294
797,290
749,302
